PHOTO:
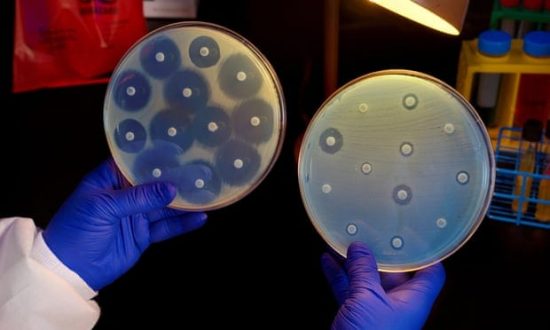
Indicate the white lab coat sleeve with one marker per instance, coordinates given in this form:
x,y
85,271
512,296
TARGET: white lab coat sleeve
x,y
36,290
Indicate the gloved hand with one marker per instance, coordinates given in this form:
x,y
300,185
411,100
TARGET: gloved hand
x,y
105,225
373,300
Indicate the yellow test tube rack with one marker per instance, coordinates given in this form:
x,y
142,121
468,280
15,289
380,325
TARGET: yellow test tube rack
x,y
511,66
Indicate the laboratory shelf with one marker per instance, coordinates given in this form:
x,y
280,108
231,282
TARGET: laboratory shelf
x,y
511,66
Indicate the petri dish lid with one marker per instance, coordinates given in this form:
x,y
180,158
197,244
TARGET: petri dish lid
x,y
195,104
401,161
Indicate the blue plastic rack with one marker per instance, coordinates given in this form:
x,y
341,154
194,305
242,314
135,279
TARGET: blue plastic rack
x,y
507,164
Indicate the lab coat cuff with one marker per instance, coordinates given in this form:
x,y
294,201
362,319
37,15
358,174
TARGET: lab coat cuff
x,y
42,253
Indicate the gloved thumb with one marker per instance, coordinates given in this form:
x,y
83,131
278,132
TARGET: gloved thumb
x,y
362,270
142,198
336,277
427,282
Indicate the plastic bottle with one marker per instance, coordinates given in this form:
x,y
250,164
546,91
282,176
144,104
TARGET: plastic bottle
x,y
492,43
533,98
543,210
529,146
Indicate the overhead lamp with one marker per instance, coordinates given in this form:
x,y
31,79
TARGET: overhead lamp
x,y
446,16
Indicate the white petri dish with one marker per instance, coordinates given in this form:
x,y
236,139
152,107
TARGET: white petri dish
x,y
401,161
197,105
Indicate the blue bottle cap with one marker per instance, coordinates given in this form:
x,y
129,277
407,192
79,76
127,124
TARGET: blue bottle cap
x,y
537,43
494,42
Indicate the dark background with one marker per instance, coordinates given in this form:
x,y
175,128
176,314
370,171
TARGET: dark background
x,y
256,262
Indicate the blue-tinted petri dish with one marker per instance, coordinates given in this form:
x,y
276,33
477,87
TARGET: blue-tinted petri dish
x,y
237,162
239,77
178,114
172,126
253,121
187,89
212,127
131,90
401,161
204,52
130,136
198,182
159,163
160,57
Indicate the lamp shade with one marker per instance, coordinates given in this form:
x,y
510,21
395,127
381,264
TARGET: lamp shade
x,y
446,16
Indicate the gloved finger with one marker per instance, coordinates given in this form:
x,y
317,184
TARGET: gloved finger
x,y
392,280
106,175
427,282
142,199
112,174
116,175
363,272
139,226
336,277
164,213
171,227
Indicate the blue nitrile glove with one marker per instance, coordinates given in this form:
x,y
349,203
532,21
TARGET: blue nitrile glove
x,y
372,300
105,225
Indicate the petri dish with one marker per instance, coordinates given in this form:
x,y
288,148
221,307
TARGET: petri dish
x,y
195,104
401,161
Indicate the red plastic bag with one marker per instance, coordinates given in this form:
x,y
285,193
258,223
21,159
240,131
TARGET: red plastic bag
x,y
72,42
